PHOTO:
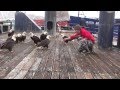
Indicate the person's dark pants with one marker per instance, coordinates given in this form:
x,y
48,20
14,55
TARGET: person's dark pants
x,y
85,45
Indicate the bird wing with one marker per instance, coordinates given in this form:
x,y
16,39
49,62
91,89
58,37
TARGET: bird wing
x,y
44,42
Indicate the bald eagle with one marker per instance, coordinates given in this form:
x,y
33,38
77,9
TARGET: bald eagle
x,y
9,43
34,38
23,37
18,38
45,42
43,36
11,33
63,36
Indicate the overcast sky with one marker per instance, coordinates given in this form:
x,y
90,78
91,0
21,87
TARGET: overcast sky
x,y
71,13
90,14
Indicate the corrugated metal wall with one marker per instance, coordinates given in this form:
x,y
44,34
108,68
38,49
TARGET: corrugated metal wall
x,y
24,23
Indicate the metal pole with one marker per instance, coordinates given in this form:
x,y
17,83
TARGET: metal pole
x,y
50,22
78,13
105,32
118,41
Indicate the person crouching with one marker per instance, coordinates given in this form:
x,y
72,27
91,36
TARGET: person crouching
x,y
87,40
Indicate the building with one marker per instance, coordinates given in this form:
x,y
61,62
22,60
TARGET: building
x,y
5,26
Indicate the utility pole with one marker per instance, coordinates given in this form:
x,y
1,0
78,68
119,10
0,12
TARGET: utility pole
x,y
50,22
105,32
118,41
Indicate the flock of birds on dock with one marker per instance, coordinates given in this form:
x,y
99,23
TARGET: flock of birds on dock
x,y
42,41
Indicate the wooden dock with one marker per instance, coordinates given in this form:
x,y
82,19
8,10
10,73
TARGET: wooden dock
x,y
60,61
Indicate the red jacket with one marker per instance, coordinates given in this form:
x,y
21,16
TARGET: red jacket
x,y
83,33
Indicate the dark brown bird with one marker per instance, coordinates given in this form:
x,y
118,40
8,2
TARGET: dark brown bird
x,y
11,33
9,43
44,43
34,38
43,36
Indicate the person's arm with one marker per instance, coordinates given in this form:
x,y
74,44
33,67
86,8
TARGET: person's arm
x,y
67,39
74,36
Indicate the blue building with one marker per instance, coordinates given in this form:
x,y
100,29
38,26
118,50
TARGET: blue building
x,y
24,23
90,24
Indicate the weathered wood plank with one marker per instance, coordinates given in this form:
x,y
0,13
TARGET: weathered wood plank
x,y
97,76
62,61
42,68
36,64
55,75
88,75
72,75
99,64
63,75
28,64
21,74
80,75
106,66
80,58
56,58
30,74
38,75
13,63
47,74
12,74
21,64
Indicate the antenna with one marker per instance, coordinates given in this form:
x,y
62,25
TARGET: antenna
x,y
78,13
